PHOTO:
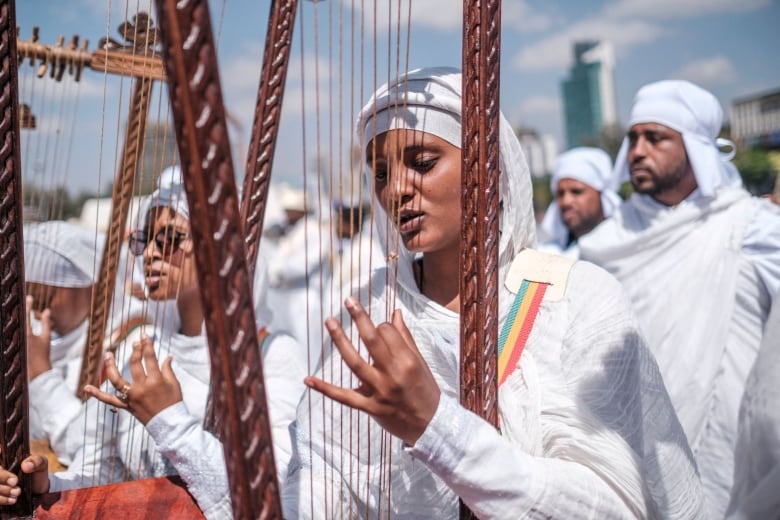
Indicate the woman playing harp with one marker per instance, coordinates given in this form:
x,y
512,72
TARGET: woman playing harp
x,y
586,426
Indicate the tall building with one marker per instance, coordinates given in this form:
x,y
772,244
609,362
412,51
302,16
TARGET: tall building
x,y
540,151
589,93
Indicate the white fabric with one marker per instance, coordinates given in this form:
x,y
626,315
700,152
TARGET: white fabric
x,y
54,406
757,471
170,193
61,254
197,455
697,115
298,272
588,430
700,277
591,166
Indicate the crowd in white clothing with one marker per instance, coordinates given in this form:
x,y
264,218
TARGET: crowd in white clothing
x,y
645,385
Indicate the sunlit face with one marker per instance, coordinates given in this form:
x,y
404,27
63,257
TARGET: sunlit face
x,y
580,206
658,163
417,181
68,306
169,266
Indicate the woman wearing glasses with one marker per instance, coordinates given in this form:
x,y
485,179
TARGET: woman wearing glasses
x,y
170,400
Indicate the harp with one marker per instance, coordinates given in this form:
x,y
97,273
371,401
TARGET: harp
x,y
193,78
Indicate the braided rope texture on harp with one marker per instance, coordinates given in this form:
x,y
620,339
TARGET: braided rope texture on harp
x,y
237,378
480,202
268,111
14,429
479,289
120,207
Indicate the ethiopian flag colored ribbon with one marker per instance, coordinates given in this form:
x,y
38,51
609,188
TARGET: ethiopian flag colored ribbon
x,y
517,327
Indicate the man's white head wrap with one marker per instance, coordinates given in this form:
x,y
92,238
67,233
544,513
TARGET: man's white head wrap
x,y
591,166
170,192
697,115
429,100
60,254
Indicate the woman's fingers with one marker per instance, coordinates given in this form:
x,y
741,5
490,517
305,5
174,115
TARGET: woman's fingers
x,y
109,399
112,373
135,363
351,398
368,332
38,465
357,364
28,305
150,359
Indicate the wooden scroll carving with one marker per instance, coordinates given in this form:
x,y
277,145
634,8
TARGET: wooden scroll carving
x,y
135,58
480,202
268,111
223,274
14,428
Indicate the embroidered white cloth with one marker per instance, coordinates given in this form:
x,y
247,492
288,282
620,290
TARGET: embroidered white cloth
x,y
587,426
700,277
591,166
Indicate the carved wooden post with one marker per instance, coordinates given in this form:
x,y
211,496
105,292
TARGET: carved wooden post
x,y
223,274
480,203
14,428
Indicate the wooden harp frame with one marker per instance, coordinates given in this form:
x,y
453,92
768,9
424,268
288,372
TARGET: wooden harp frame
x,y
225,273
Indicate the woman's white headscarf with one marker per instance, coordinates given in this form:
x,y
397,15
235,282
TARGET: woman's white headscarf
x,y
591,166
430,100
170,193
697,115
60,254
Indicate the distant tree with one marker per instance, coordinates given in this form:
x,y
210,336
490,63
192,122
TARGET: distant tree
x,y
757,170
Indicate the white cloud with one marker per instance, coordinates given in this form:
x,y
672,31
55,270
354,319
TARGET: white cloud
x,y
520,16
555,52
541,106
669,9
710,71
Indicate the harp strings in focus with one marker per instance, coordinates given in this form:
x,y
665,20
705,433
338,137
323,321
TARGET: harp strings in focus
x,y
347,52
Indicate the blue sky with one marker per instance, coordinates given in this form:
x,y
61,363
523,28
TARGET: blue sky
x,y
729,47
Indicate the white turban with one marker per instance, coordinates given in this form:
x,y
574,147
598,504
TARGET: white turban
x,y
170,192
697,115
429,100
60,254
591,166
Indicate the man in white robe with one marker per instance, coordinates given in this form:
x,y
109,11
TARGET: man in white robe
x,y
583,195
700,259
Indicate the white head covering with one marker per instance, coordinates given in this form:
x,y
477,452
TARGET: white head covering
x,y
591,166
61,254
429,100
170,192
697,115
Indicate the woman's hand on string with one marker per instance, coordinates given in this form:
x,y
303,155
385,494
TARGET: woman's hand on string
x,y
9,483
397,387
38,345
151,390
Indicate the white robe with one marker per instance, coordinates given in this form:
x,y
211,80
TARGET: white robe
x,y
587,426
54,406
700,277
755,494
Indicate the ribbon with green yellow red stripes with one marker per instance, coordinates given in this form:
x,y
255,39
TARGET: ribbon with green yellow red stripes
x,y
517,327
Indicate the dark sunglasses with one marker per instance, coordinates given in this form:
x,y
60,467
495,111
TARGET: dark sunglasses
x,y
167,240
